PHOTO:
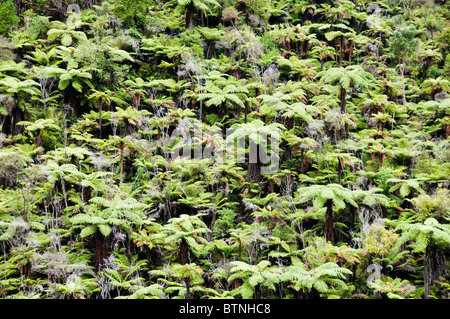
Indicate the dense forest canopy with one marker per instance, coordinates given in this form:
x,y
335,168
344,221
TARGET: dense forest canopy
x,y
224,149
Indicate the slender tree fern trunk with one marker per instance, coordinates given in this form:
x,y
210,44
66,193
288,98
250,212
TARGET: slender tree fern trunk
x,y
289,151
350,56
70,99
246,112
238,112
341,51
16,117
314,294
302,160
435,265
184,252
432,94
190,16
254,165
202,19
101,251
427,272
63,188
342,94
328,229
188,288
121,146
254,171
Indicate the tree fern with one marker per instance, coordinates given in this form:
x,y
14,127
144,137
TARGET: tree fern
x,y
253,275
425,236
323,278
430,230
154,291
405,187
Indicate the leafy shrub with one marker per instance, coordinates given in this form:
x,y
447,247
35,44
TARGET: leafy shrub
x,y
9,17
379,240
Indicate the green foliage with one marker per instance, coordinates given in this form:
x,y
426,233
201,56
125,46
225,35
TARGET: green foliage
x,y
225,221
403,42
319,251
379,240
350,105
6,49
133,13
424,234
437,205
350,76
187,5
320,194
261,274
38,25
9,17
394,288
325,278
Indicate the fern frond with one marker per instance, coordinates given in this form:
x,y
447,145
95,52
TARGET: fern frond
x,y
88,231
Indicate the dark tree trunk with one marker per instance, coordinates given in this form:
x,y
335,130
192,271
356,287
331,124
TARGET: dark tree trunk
x,y
188,288
238,111
246,112
432,94
314,294
137,100
190,16
254,171
101,251
254,165
11,121
70,99
121,147
342,94
86,194
240,252
427,272
184,252
289,151
434,267
328,229
15,115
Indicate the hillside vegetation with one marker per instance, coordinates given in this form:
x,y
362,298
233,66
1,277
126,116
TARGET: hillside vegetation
x,y
117,118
